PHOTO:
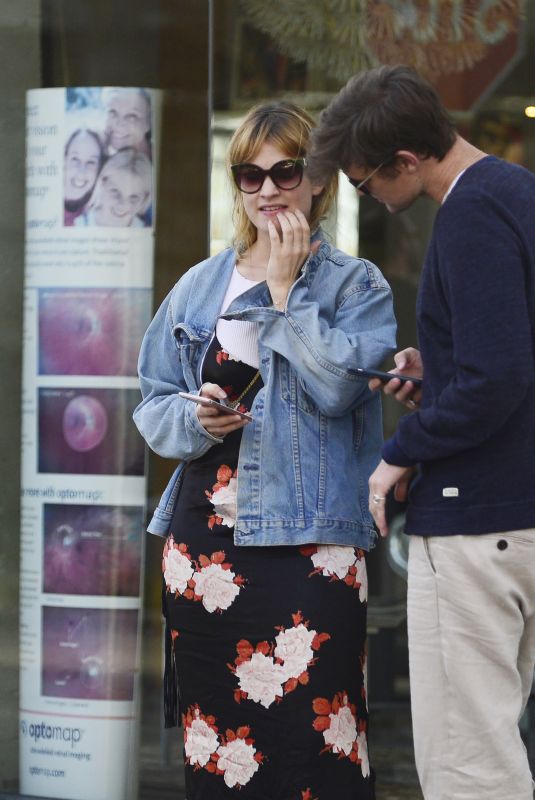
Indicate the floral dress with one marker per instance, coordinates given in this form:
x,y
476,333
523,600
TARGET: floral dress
x,y
266,645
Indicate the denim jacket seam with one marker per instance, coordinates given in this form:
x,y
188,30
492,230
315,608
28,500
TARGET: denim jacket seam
x,y
313,352
361,289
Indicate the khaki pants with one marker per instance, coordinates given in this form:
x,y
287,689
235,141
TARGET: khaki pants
x,y
471,622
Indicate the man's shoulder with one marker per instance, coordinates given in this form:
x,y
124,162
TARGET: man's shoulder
x,y
494,176
491,187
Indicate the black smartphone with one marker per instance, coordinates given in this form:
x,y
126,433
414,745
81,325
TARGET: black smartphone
x,y
387,376
209,401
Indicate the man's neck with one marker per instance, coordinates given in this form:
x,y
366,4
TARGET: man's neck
x,y
439,175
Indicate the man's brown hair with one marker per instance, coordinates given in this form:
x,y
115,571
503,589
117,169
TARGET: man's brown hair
x,y
378,112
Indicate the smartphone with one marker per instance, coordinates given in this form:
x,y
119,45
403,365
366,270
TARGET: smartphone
x,y
209,401
387,376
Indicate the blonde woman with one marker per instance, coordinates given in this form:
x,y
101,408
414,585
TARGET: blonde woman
x,y
265,518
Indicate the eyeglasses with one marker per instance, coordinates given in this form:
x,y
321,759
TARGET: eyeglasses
x,y
360,185
287,174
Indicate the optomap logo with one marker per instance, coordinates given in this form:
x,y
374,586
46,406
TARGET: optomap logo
x,y
41,732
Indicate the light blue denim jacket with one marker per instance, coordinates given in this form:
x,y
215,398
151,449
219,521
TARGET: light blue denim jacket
x,y
316,433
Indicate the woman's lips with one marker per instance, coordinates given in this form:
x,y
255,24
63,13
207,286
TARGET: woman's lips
x,y
272,211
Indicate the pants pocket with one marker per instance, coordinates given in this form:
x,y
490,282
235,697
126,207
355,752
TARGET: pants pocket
x,y
427,553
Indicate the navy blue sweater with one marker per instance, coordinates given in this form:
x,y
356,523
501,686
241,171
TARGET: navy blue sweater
x,y
474,436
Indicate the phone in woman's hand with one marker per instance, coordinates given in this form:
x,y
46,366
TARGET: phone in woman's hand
x,y
209,401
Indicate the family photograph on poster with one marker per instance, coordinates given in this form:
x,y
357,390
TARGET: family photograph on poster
x,y
108,166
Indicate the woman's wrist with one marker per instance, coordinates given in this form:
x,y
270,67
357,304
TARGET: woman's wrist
x,y
279,296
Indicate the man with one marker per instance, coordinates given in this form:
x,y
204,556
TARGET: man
x,y
471,593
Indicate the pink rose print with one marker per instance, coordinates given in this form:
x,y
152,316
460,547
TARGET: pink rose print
x,y
340,563
260,679
238,760
231,755
215,584
207,580
342,733
306,794
272,669
177,567
201,739
223,498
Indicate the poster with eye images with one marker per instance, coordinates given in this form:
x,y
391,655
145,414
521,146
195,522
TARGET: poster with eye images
x,y
91,167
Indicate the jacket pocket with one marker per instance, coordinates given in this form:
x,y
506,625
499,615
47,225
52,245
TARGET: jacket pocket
x,y
292,390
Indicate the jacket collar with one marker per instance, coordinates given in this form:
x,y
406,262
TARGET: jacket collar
x,y
258,298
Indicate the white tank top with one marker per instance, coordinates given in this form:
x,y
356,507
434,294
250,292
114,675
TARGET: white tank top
x,y
239,338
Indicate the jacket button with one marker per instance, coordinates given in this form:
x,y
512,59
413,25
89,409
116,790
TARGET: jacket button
x,y
502,545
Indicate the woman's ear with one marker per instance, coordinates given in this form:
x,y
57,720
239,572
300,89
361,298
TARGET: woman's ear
x,y
317,190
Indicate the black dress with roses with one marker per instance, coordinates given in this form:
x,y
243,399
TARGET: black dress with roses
x,y
267,644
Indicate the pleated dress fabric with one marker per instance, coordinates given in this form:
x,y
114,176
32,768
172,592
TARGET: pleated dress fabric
x,y
267,645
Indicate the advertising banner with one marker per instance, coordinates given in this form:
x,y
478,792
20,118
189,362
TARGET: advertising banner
x,y
90,210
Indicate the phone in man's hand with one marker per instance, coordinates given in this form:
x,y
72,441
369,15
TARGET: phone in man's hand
x,y
387,376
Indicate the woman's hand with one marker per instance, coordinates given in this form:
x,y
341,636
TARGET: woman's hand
x,y
290,248
217,423
408,362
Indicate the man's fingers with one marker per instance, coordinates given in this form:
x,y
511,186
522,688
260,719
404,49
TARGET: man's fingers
x,y
401,489
377,506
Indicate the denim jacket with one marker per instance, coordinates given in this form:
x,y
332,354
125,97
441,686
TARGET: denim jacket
x,y
316,432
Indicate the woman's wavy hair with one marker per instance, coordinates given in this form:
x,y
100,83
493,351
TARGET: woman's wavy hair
x,y
288,127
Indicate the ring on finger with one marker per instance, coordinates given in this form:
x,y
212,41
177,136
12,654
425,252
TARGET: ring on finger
x,y
378,499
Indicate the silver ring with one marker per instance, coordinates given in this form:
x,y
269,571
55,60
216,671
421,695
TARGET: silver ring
x,y
411,403
376,498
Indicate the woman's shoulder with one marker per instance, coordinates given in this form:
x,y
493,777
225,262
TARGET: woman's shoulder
x,y
202,275
215,261
351,267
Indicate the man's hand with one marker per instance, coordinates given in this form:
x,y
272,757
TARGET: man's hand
x,y
408,362
381,482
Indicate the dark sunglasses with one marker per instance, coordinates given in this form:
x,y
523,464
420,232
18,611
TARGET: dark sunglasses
x,y
287,174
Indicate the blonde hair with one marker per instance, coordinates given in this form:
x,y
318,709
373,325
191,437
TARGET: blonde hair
x,y
287,126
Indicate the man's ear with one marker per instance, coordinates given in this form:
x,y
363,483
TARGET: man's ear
x,y
407,161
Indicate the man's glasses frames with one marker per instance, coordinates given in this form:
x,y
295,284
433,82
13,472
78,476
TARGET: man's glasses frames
x,y
360,186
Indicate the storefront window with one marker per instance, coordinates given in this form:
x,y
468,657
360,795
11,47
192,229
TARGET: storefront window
x,y
91,639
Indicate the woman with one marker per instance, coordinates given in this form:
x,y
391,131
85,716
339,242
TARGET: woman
x,y
266,519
